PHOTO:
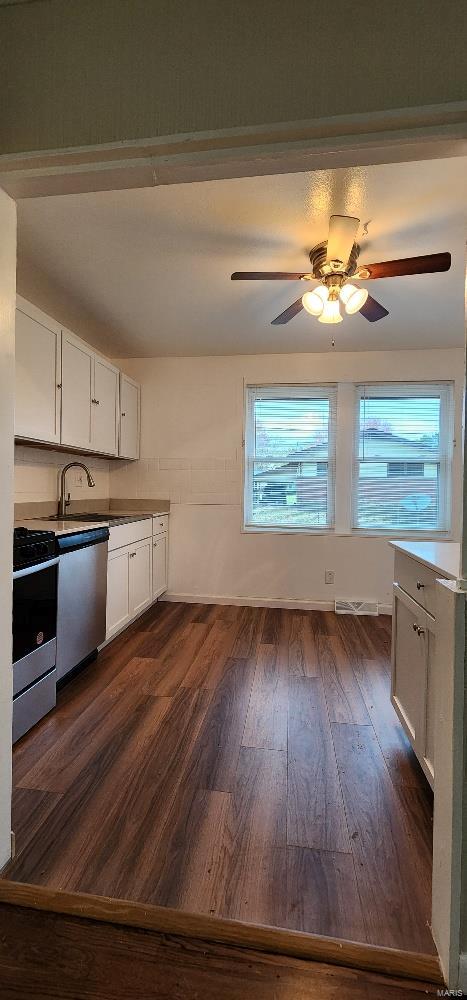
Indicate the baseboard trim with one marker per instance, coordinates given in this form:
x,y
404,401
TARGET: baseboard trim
x,y
296,944
249,602
258,602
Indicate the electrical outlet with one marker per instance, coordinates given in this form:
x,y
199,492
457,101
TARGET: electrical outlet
x,y
78,478
329,576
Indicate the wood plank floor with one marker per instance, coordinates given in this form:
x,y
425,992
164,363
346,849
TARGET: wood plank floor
x,y
240,762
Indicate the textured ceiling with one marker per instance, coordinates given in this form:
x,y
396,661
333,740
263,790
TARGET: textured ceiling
x,y
149,269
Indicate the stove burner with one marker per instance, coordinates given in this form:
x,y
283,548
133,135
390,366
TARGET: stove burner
x,y
31,547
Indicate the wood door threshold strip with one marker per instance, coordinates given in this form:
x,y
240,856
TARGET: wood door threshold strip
x,y
295,944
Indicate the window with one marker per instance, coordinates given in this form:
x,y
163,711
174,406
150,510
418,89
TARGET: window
x,y
406,469
402,466
290,457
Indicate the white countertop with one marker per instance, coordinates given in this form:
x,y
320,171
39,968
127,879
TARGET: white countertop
x,y
67,527
443,557
59,527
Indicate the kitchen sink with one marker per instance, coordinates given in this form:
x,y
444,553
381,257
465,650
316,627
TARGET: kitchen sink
x,y
83,517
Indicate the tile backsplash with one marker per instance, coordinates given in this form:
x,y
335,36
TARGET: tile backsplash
x,y
37,475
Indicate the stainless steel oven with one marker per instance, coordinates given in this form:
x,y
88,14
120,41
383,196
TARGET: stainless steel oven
x,y
35,579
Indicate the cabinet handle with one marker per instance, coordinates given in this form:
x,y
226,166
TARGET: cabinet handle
x,y
132,555
420,586
420,631
155,545
123,414
415,627
59,385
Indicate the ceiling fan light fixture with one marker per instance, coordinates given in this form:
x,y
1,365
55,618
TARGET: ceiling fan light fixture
x,y
331,312
314,301
353,298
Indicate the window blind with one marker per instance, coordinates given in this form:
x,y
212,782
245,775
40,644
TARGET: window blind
x,y
290,456
402,462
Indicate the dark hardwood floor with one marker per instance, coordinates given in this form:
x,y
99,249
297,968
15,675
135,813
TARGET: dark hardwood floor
x,y
241,762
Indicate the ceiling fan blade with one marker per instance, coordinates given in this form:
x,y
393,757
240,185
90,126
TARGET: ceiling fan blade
x,y
288,314
425,264
341,237
267,275
373,310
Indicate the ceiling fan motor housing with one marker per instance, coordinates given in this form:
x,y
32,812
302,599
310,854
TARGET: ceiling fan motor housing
x,y
321,268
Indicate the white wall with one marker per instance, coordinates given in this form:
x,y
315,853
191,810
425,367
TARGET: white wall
x,y
191,453
37,474
7,321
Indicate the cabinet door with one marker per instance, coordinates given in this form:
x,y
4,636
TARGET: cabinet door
x,y
77,371
118,590
37,362
409,655
129,417
430,710
159,565
140,570
104,408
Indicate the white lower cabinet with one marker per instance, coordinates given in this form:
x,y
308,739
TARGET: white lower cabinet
x,y
136,571
140,587
159,565
413,687
118,590
129,584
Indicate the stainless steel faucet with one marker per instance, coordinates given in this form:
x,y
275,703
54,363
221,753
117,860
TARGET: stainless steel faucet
x,y
64,500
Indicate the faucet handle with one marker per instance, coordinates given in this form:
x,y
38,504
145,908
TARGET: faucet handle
x,y
68,500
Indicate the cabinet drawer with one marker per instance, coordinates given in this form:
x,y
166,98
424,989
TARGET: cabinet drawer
x,y
160,524
417,580
126,534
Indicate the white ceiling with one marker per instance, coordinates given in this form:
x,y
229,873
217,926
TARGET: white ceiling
x,y
150,268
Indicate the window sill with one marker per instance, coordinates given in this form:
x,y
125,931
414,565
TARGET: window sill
x,y
419,536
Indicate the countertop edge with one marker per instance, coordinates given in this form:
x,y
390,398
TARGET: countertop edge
x,y
404,547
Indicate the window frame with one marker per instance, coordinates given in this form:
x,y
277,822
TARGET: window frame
x,y
329,390
346,428
446,390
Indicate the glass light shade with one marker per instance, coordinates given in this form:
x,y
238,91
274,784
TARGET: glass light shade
x,y
314,301
353,298
331,312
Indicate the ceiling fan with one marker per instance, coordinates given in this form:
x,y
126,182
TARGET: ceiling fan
x,y
333,262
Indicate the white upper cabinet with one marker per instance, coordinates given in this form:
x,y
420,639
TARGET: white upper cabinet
x,y
89,398
67,394
37,402
77,381
104,407
129,417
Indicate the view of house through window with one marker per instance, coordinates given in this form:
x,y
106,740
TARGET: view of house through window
x,y
402,476
290,456
401,470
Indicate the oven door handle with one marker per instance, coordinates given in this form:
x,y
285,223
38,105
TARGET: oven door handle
x,y
18,573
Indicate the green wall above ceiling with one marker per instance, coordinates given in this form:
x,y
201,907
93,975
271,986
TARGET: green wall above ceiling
x,y
83,72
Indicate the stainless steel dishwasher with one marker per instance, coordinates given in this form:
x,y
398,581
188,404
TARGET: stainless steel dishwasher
x,y
82,595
